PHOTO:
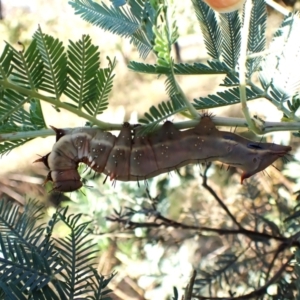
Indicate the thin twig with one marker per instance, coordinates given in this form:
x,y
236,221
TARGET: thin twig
x,y
213,193
165,222
278,7
276,254
242,65
189,288
256,293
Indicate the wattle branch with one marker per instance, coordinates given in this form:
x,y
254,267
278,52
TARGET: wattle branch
x,y
258,292
266,127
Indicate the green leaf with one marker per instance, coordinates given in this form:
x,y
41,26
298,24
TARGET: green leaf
x,y
232,79
73,250
36,114
13,112
32,266
114,19
28,263
294,103
83,64
142,43
160,113
210,28
175,291
55,63
278,95
278,67
27,67
100,286
5,62
118,2
103,85
257,35
144,37
25,70
213,67
134,23
228,97
231,33
142,68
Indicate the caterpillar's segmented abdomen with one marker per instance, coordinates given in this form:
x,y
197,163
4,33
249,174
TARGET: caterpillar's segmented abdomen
x,y
141,157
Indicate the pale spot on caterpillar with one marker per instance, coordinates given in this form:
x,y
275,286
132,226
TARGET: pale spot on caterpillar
x,y
143,158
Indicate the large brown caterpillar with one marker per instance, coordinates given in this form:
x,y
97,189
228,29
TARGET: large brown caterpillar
x,y
133,159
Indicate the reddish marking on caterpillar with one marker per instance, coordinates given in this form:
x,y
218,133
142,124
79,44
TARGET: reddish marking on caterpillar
x,y
141,157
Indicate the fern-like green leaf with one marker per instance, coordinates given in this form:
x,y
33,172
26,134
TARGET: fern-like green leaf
x,y
20,266
232,79
114,19
28,262
228,97
279,96
55,63
5,62
27,67
210,28
159,114
257,34
19,112
83,64
279,64
36,114
27,71
73,251
171,85
118,3
100,284
142,67
200,69
103,84
142,43
12,223
181,69
137,7
144,37
32,266
12,110
6,147
231,32
134,23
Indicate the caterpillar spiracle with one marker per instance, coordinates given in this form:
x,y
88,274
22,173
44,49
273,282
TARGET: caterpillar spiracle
x,y
141,157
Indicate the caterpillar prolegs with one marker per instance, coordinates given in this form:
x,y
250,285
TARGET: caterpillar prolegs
x,y
141,157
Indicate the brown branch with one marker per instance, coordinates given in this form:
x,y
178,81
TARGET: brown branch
x,y
189,288
221,203
257,293
280,249
253,235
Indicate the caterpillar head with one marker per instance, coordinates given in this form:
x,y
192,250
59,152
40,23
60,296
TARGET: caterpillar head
x,y
260,156
251,157
62,164
65,181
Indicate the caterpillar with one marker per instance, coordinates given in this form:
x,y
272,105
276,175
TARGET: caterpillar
x,y
141,157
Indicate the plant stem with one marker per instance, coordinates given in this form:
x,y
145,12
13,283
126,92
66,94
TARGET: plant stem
x,y
55,102
194,113
278,7
267,127
242,64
